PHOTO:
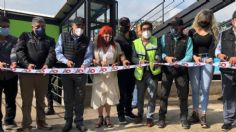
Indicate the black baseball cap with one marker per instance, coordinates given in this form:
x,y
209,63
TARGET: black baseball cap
x,y
234,15
124,21
79,20
177,21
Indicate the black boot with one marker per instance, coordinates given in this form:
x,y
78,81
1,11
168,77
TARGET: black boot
x,y
194,118
204,122
67,126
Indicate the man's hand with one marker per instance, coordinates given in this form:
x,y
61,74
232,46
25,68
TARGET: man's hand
x,y
31,66
70,64
169,59
142,62
125,62
13,65
209,60
232,60
83,66
2,64
197,59
222,57
44,67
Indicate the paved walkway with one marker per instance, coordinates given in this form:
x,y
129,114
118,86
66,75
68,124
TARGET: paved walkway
x,y
90,116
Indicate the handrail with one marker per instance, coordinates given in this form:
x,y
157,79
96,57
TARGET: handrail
x,y
148,13
161,10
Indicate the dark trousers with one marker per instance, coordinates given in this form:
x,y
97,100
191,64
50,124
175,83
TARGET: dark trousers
x,y
10,89
182,84
74,94
229,96
50,94
126,82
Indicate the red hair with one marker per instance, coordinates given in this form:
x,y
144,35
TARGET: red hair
x,y
105,30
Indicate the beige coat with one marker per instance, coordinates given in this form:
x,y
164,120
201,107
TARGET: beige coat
x,y
105,86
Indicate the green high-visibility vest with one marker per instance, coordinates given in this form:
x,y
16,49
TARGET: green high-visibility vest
x,y
148,51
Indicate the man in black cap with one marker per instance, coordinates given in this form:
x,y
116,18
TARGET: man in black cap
x,y
35,50
74,50
176,47
125,38
225,51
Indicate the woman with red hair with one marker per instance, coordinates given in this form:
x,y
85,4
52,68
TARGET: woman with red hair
x,y
105,90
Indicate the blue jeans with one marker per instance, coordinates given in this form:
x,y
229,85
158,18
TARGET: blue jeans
x,y
135,96
149,84
200,78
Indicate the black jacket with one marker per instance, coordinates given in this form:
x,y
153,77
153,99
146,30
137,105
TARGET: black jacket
x,y
126,44
228,47
8,55
35,50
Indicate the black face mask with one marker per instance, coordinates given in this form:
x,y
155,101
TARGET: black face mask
x,y
204,24
175,31
124,29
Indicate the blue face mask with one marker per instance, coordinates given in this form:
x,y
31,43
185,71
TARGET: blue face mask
x,y
4,31
39,31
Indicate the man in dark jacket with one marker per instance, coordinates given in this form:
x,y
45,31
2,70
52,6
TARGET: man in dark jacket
x,y
125,39
35,50
226,51
176,47
74,49
8,80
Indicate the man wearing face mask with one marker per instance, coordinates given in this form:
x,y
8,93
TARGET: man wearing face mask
x,y
146,50
74,49
8,80
125,38
35,50
225,51
176,47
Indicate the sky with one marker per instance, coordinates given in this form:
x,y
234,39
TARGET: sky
x,y
134,9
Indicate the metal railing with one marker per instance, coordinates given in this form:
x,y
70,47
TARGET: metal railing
x,y
160,13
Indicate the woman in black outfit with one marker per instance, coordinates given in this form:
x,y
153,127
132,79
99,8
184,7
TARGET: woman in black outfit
x,y
204,34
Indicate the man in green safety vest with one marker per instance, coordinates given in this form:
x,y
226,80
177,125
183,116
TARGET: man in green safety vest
x,y
146,51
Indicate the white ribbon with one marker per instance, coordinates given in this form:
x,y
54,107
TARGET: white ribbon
x,y
98,70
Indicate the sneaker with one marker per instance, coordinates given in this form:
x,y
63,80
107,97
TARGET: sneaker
x,y
149,122
226,126
131,115
204,122
81,128
42,125
122,120
194,118
161,124
185,124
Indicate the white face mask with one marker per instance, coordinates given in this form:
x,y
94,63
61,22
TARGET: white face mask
x,y
79,31
146,34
